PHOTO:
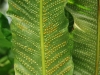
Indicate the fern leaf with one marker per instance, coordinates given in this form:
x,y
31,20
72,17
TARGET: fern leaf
x,y
41,42
85,54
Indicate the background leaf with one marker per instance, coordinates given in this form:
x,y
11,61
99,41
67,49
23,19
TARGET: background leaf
x,y
85,36
6,67
5,34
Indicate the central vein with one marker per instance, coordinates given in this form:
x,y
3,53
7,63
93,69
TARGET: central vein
x,y
42,38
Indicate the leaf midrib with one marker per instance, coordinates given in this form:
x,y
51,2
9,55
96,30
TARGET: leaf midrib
x,y
42,38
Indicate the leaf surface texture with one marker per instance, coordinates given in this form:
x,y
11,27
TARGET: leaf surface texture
x,y
41,42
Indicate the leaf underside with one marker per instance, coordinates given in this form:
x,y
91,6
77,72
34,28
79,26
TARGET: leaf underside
x,y
41,42
85,36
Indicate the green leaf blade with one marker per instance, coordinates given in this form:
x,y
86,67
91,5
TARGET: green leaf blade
x,y
85,36
49,54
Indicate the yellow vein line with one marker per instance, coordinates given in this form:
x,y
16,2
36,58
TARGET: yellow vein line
x,y
98,45
42,39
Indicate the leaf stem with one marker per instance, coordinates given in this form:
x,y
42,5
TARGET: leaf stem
x,y
42,38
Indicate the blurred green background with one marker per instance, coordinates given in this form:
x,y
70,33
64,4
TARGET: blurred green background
x,y
6,55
